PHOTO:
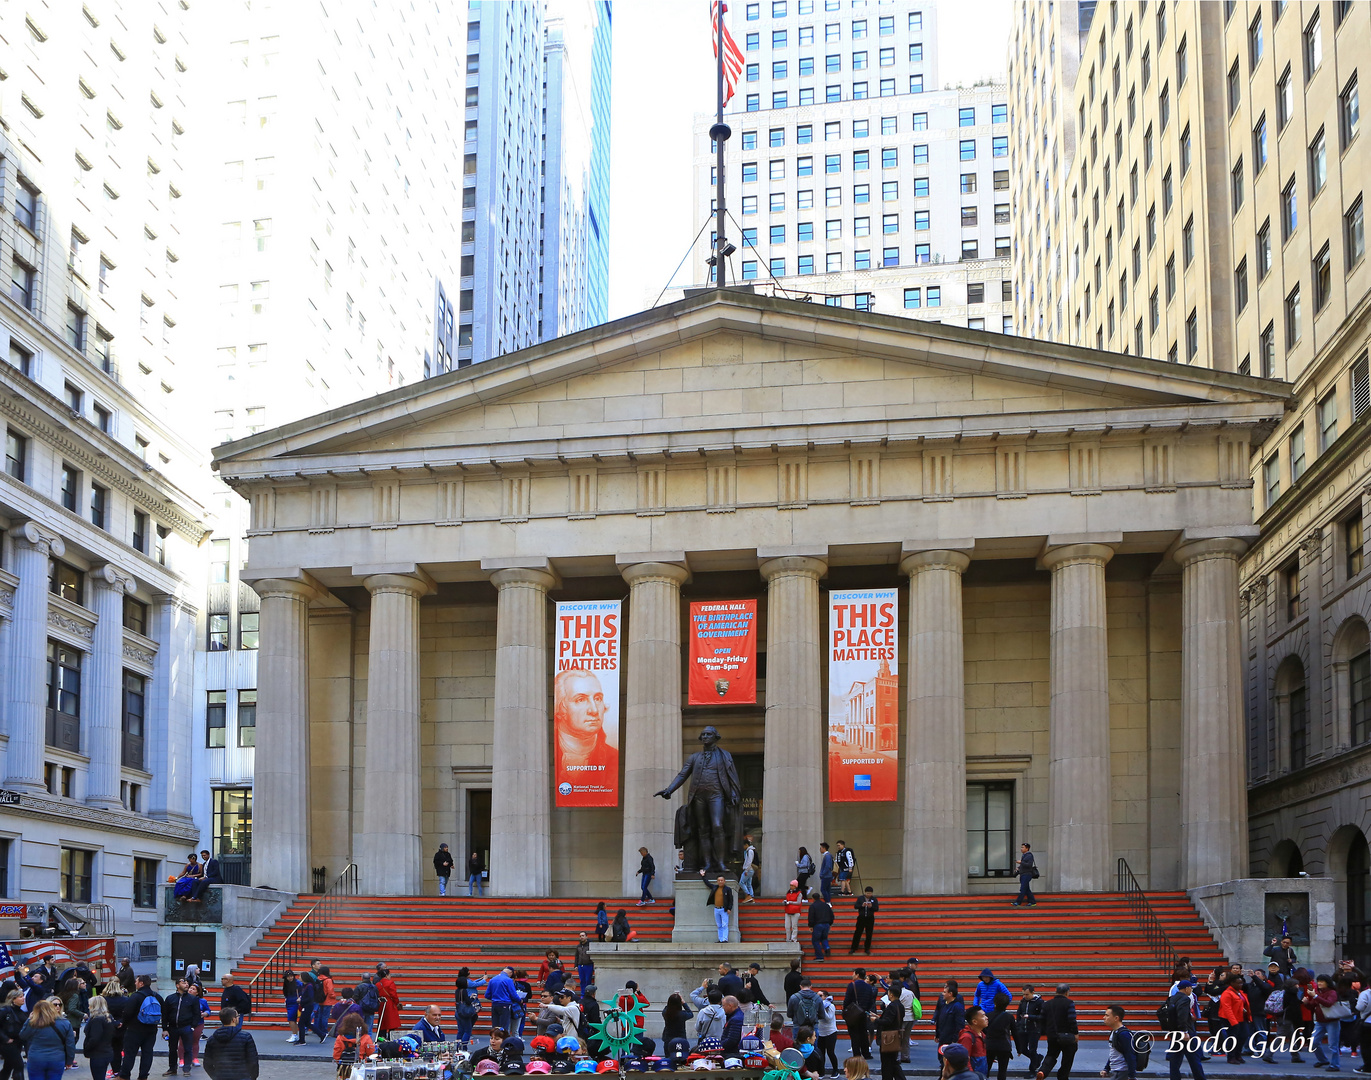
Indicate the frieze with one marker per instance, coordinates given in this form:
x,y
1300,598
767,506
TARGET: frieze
x,y
1289,791
137,655
63,622
41,806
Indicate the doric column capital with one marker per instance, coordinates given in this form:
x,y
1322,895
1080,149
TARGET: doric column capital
x,y
285,588
1054,558
1219,547
41,539
669,572
115,578
524,575
417,584
792,566
935,558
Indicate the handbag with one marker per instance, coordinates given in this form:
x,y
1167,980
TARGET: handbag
x,y
1035,872
890,1041
1338,1011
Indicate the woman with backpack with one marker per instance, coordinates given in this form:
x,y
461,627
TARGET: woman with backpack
x,y
621,928
50,1040
804,867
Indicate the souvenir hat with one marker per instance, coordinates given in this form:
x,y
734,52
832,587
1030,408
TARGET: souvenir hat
x,y
485,1066
538,1066
702,1064
585,1065
562,1066
543,1042
568,1044
663,1065
709,1045
608,1066
514,1068
733,1063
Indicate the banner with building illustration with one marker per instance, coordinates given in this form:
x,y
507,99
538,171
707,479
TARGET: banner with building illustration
x,y
585,694
723,652
863,695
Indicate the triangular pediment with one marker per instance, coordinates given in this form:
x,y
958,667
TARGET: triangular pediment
x,y
729,370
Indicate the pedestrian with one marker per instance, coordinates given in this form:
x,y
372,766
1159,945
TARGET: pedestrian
x,y
826,871
475,870
1322,997
866,907
972,1037
999,1037
585,966
325,996
806,1006
733,1025
729,980
709,1020
467,1006
180,1017
523,990
366,999
913,1008
847,866
290,992
826,1032
201,1014
231,1053
1123,1059
889,1025
442,866
1282,950
126,976
1026,872
820,923
720,898
1028,1027
1063,1033
752,989
504,999
99,1044
304,1004
1363,1011
1179,1014
389,1001
791,907
11,1049
749,871
621,929
647,870
793,979
601,921
858,1001
674,1016
1236,1012
986,989
50,1040
235,997
804,869
950,1015
956,1063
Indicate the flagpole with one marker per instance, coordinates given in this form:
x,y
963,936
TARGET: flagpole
x,y
719,133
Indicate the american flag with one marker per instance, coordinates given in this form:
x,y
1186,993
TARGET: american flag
x,y
733,56
98,953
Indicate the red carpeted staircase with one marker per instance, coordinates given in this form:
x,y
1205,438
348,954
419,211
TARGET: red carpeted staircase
x,y
1091,941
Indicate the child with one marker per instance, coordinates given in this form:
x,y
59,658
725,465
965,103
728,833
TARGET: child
x,y
601,921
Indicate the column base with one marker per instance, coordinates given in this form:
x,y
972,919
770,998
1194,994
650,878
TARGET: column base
x,y
27,787
695,918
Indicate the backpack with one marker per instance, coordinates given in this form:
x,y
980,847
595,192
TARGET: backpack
x,y
1275,1003
1142,1048
348,1054
367,997
916,1008
1167,1014
807,1009
150,1011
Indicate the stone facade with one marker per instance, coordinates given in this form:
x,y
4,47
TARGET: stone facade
x,y
1046,503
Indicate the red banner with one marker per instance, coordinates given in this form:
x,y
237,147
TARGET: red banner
x,y
863,696
585,696
723,652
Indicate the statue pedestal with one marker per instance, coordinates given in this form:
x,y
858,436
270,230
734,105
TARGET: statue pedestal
x,y
695,917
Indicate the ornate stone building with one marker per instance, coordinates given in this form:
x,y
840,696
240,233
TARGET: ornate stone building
x,y
1064,527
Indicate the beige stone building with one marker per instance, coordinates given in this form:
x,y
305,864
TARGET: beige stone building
x,y
1063,526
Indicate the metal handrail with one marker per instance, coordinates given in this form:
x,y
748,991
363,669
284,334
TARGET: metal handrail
x,y
303,935
1153,931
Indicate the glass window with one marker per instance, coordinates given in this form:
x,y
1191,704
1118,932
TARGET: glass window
x,y
920,187
1328,425
134,700
967,150
861,226
216,718
833,262
65,581
890,256
921,153
146,875
1313,46
913,298
776,136
990,829
1359,679
777,267
1294,326
1318,165
861,260
890,190
1259,144
778,234
861,160
1290,217
248,623
26,206
218,628
861,193
1354,230
749,140
1323,278
247,717
934,296
64,697
16,454
804,133
78,872
999,114
1349,107
999,146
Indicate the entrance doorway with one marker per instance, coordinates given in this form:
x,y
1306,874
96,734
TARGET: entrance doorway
x,y
1358,948
478,829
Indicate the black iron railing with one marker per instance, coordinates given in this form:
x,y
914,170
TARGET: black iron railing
x,y
291,954
1148,923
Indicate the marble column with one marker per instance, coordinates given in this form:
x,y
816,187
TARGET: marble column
x,y
27,691
1078,812
521,797
391,861
793,782
281,774
935,751
650,740
104,726
168,746
1213,767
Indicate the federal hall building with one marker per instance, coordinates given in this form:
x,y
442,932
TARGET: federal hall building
x,y
1064,527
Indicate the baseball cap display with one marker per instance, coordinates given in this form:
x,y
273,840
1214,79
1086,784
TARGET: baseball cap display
x,y
514,1068
568,1044
608,1066
486,1066
733,1063
585,1065
562,1066
709,1045
537,1065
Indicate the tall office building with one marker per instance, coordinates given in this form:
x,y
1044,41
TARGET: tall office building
x,y
535,174
99,516
851,176
1214,215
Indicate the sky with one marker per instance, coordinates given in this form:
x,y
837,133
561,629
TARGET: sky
x,y
663,75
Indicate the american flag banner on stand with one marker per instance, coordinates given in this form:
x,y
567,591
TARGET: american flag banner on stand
x,y
98,953
733,56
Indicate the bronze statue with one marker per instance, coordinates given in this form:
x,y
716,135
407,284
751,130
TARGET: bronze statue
x,y
709,827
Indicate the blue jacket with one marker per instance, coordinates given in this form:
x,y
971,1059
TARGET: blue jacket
x,y
501,991
56,1042
826,866
427,1032
949,1019
986,991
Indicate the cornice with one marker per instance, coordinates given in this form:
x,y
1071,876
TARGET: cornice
x,y
46,808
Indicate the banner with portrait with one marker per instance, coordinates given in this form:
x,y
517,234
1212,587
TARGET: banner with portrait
x,y
585,696
863,695
723,652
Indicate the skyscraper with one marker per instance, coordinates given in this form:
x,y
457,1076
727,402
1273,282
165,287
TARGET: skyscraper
x,y
850,175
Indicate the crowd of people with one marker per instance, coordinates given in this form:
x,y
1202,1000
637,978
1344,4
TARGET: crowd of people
x,y
45,1014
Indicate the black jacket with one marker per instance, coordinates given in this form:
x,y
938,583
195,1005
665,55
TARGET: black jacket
x,y
648,866
442,863
820,912
1059,1017
99,1037
752,987
235,997
1029,1018
474,867
180,1011
862,910
230,1054
860,993
792,983
728,897
135,1002
731,984
11,1023
999,1033
892,1016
